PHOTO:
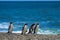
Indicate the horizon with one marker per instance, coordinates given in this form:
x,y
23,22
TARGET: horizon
x,y
29,0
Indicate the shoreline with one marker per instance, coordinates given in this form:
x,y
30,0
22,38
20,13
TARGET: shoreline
x,y
18,36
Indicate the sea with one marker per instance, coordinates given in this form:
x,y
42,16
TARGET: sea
x,y
46,13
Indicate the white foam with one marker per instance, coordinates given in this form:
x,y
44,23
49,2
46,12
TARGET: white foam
x,y
16,31
4,25
4,31
40,31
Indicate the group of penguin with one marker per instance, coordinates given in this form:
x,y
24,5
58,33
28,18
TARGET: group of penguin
x,y
33,29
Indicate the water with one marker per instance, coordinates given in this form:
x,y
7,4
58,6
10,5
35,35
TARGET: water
x,y
45,13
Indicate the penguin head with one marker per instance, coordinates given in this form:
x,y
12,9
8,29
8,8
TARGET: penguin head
x,y
37,24
32,24
25,24
11,22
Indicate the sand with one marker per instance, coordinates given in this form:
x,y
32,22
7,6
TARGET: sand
x,y
18,36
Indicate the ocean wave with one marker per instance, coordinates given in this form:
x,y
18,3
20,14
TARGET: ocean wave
x,y
40,31
4,25
18,28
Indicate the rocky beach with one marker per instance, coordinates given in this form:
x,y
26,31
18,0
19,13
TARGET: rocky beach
x,y
18,36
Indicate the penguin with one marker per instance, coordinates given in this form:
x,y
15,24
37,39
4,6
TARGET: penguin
x,y
36,28
24,29
31,28
10,27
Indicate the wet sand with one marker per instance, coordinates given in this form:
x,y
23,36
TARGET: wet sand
x,y
18,36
